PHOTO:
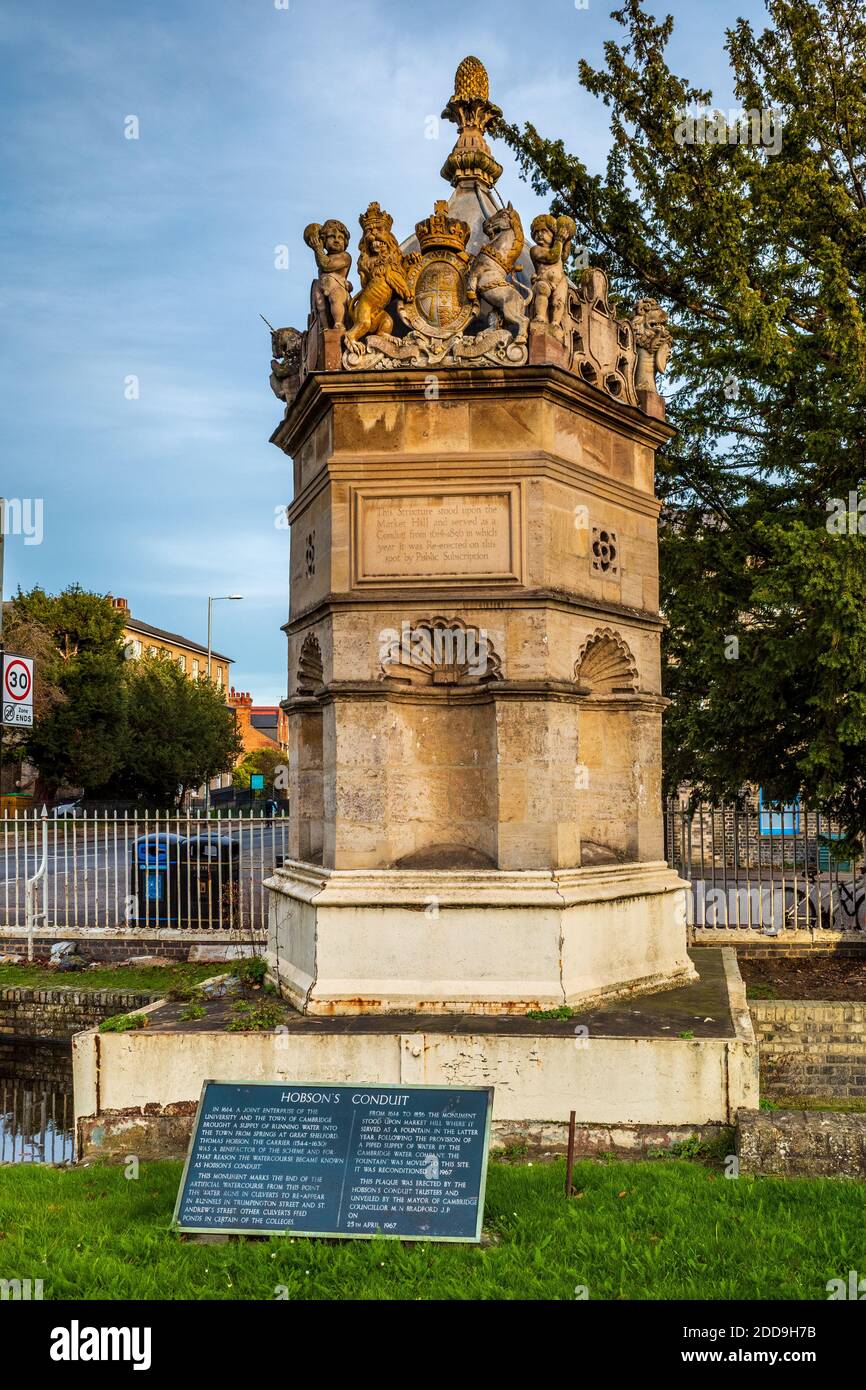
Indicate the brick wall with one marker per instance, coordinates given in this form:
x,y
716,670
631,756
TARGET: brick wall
x,y
59,1013
811,1048
48,1062
102,949
778,946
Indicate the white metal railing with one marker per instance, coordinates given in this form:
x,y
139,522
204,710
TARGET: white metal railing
x,y
129,871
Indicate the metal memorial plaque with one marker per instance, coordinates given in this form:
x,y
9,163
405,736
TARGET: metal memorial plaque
x,y
323,1160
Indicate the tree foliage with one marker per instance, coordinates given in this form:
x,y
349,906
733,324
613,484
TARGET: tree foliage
x,y
139,730
758,251
78,740
269,761
178,732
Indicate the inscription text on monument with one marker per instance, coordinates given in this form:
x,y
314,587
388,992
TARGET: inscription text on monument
x,y
465,534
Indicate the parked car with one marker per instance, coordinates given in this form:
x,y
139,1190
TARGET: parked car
x,y
68,810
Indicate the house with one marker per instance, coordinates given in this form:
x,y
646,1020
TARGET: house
x,y
260,726
143,639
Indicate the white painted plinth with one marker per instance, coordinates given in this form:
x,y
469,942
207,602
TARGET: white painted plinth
x,y
127,1082
470,941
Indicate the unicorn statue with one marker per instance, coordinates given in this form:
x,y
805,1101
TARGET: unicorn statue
x,y
487,283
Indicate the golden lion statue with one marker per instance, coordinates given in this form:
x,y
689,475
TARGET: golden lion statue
x,y
382,268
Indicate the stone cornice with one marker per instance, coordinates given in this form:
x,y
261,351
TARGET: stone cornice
x,y
477,599
473,887
548,691
323,389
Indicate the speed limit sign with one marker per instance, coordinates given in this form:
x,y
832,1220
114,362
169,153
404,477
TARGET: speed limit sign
x,y
17,691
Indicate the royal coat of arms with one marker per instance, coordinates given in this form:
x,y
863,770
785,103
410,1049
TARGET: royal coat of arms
x,y
439,306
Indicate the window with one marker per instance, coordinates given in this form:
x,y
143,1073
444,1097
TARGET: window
x,y
153,651
219,676
778,818
181,661
195,668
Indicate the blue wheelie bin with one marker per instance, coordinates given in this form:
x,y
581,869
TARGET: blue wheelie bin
x,y
155,879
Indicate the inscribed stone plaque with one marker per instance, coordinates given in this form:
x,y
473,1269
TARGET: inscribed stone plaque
x,y
356,1161
471,533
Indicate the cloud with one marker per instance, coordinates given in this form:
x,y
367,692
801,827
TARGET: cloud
x,y
154,257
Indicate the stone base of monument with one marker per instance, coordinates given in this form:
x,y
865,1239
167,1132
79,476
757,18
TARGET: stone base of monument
x,y
637,1072
382,941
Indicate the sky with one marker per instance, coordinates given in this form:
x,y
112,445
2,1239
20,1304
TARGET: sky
x,y
135,410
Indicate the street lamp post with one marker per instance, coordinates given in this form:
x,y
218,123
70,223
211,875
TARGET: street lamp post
x,y
217,598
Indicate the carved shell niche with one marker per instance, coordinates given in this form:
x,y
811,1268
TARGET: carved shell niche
x,y
440,651
311,676
605,665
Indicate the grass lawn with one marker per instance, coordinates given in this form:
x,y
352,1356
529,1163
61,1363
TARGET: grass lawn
x,y
844,1105
659,1229
155,979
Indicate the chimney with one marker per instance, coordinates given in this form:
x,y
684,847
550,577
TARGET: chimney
x,y
121,605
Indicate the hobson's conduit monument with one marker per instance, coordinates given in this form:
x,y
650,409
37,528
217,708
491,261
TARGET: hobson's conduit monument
x,y
476,893
474,695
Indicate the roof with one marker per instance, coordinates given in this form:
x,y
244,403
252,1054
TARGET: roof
x,y
266,720
147,630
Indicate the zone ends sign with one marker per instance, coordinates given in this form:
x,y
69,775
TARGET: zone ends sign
x,y
17,690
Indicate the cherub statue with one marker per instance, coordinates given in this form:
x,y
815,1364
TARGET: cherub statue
x,y
330,292
382,268
653,342
552,237
286,348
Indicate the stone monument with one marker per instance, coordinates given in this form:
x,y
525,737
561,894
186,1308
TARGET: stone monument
x,y
474,705
474,696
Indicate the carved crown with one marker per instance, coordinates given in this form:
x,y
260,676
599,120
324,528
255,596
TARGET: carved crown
x,y
374,220
440,230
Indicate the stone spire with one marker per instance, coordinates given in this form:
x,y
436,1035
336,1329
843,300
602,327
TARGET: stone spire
x,y
472,111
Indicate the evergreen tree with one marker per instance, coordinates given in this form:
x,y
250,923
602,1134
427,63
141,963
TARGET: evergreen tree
x,y
757,248
77,737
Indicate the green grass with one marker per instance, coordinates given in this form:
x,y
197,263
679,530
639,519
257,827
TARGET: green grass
x,y
122,1023
844,1105
759,990
638,1231
144,979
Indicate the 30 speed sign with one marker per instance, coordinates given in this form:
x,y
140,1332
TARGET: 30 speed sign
x,y
17,691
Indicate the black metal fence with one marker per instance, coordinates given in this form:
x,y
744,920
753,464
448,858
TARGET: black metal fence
x,y
774,871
